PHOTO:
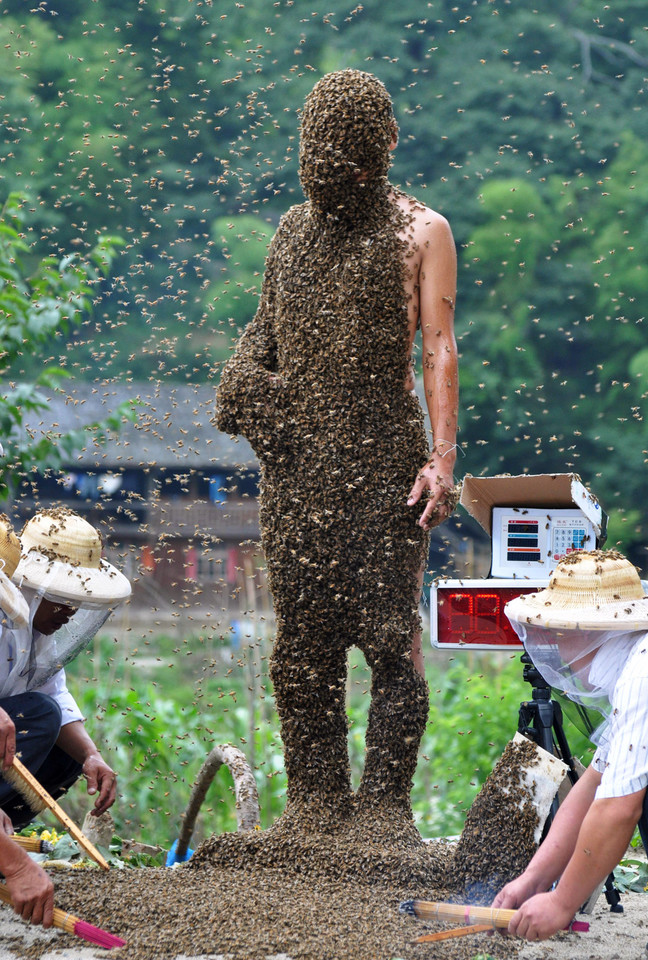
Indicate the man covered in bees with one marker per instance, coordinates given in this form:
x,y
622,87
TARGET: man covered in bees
x,y
321,384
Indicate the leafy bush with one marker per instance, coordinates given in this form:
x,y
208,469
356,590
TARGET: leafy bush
x,y
40,304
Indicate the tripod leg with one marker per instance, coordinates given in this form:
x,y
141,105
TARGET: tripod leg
x,y
564,751
537,719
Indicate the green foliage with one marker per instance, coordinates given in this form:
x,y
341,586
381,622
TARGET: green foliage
x,y
631,875
555,368
231,302
627,530
63,849
158,746
38,303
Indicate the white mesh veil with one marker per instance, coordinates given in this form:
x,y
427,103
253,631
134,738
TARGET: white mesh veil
x,y
583,665
35,657
580,630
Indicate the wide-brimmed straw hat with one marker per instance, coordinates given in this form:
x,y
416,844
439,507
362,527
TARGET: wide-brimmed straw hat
x,y
12,601
61,558
588,590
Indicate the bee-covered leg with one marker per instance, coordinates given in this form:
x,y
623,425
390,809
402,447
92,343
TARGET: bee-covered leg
x,y
308,672
397,717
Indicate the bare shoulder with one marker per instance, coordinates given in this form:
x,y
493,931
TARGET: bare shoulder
x,y
426,228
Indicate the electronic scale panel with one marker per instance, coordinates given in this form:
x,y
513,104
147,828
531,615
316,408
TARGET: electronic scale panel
x,y
530,541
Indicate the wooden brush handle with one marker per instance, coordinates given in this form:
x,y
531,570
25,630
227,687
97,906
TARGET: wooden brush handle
x,y
59,813
61,919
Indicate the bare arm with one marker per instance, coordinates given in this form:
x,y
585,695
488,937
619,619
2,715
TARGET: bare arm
x,y
75,741
602,840
437,291
7,739
586,841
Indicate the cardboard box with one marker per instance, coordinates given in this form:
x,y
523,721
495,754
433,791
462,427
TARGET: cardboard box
x,y
552,490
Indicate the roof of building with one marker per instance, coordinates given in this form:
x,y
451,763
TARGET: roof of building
x,y
173,426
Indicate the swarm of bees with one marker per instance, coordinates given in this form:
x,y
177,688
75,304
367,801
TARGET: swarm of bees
x,y
498,841
317,386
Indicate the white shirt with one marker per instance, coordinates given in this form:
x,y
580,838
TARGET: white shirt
x,y
622,755
56,686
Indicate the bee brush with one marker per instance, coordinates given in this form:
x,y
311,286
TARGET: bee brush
x,y
71,924
496,918
38,799
32,844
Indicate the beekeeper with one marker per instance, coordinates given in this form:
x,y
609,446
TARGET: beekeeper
x,y
587,634
61,594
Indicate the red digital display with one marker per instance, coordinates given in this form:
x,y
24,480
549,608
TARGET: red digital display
x,y
474,616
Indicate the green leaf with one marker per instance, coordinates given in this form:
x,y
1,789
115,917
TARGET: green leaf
x,y
631,875
65,848
34,309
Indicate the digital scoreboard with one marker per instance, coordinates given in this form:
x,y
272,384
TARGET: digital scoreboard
x,y
469,614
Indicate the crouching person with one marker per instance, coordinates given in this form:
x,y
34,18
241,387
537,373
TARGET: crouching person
x,y
587,634
62,593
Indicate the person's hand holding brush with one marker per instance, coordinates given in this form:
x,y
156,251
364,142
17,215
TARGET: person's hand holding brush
x,y
32,891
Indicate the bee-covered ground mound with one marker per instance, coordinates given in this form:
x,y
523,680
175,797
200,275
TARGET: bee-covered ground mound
x,y
327,897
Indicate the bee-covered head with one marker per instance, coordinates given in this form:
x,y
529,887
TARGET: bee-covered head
x,y
347,130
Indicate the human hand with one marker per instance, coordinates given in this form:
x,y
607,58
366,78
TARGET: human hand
x,y
435,477
515,893
32,891
540,917
7,739
100,777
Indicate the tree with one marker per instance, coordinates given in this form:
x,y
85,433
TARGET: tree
x,y
35,308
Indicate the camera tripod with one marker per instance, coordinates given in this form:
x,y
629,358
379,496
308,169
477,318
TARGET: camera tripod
x,y
540,720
